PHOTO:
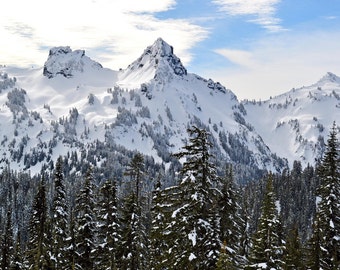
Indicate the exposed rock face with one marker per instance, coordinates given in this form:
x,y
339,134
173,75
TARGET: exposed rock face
x,y
64,61
160,58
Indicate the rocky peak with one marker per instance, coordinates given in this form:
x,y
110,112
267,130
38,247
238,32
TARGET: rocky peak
x,y
64,61
159,57
329,77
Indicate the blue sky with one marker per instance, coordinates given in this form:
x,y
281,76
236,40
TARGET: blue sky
x,y
257,48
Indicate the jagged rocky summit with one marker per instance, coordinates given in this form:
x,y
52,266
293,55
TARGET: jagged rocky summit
x,y
64,61
72,104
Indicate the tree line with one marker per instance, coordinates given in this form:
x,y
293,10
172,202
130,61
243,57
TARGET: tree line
x,y
205,221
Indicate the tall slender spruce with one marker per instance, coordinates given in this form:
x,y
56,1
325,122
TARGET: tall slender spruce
x,y
60,219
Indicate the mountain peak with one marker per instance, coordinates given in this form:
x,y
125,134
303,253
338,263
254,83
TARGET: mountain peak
x,y
62,60
157,61
330,77
161,48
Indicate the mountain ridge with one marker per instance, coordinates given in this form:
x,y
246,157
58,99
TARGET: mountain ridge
x,y
146,107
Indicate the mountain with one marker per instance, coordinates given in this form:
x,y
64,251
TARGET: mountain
x,y
295,125
64,61
74,106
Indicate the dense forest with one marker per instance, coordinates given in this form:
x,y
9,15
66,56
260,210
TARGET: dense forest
x,y
193,215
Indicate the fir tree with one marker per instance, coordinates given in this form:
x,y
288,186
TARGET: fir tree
x,y
195,222
158,245
231,222
7,245
109,229
71,250
293,251
18,257
136,170
38,253
224,261
60,219
313,249
267,247
329,206
134,236
163,240
85,225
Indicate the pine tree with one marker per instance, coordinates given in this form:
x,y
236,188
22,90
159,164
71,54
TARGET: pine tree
x,y
60,219
329,206
195,221
134,235
7,245
109,229
267,248
85,225
38,253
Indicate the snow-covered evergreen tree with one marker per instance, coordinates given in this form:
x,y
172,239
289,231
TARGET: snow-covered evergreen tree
x,y
224,262
231,222
85,225
38,253
134,245
195,221
60,219
158,245
267,246
18,256
109,228
328,208
293,255
7,243
163,241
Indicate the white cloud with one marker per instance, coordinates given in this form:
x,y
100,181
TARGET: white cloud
x,y
277,64
238,57
263,10
113,32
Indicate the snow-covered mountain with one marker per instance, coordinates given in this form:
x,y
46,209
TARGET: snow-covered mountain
x,y
73,102
296,124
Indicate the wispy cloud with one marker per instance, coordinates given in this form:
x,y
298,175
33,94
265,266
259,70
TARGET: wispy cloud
x,y
263,11
238,57
274,65
124,28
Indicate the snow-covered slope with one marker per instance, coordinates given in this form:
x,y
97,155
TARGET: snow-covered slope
x,y
73,102
296,124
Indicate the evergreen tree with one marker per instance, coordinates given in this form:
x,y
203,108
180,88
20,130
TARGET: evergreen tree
x,y
60,219
231,222
134,235
267,248
85,225
71,250
163,241
109,229
38,253
158,245
7,245
195,221
313,249
293,251
224,261
18,257
328,207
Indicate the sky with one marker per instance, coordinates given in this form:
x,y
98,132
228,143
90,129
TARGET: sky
x,y
256,48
